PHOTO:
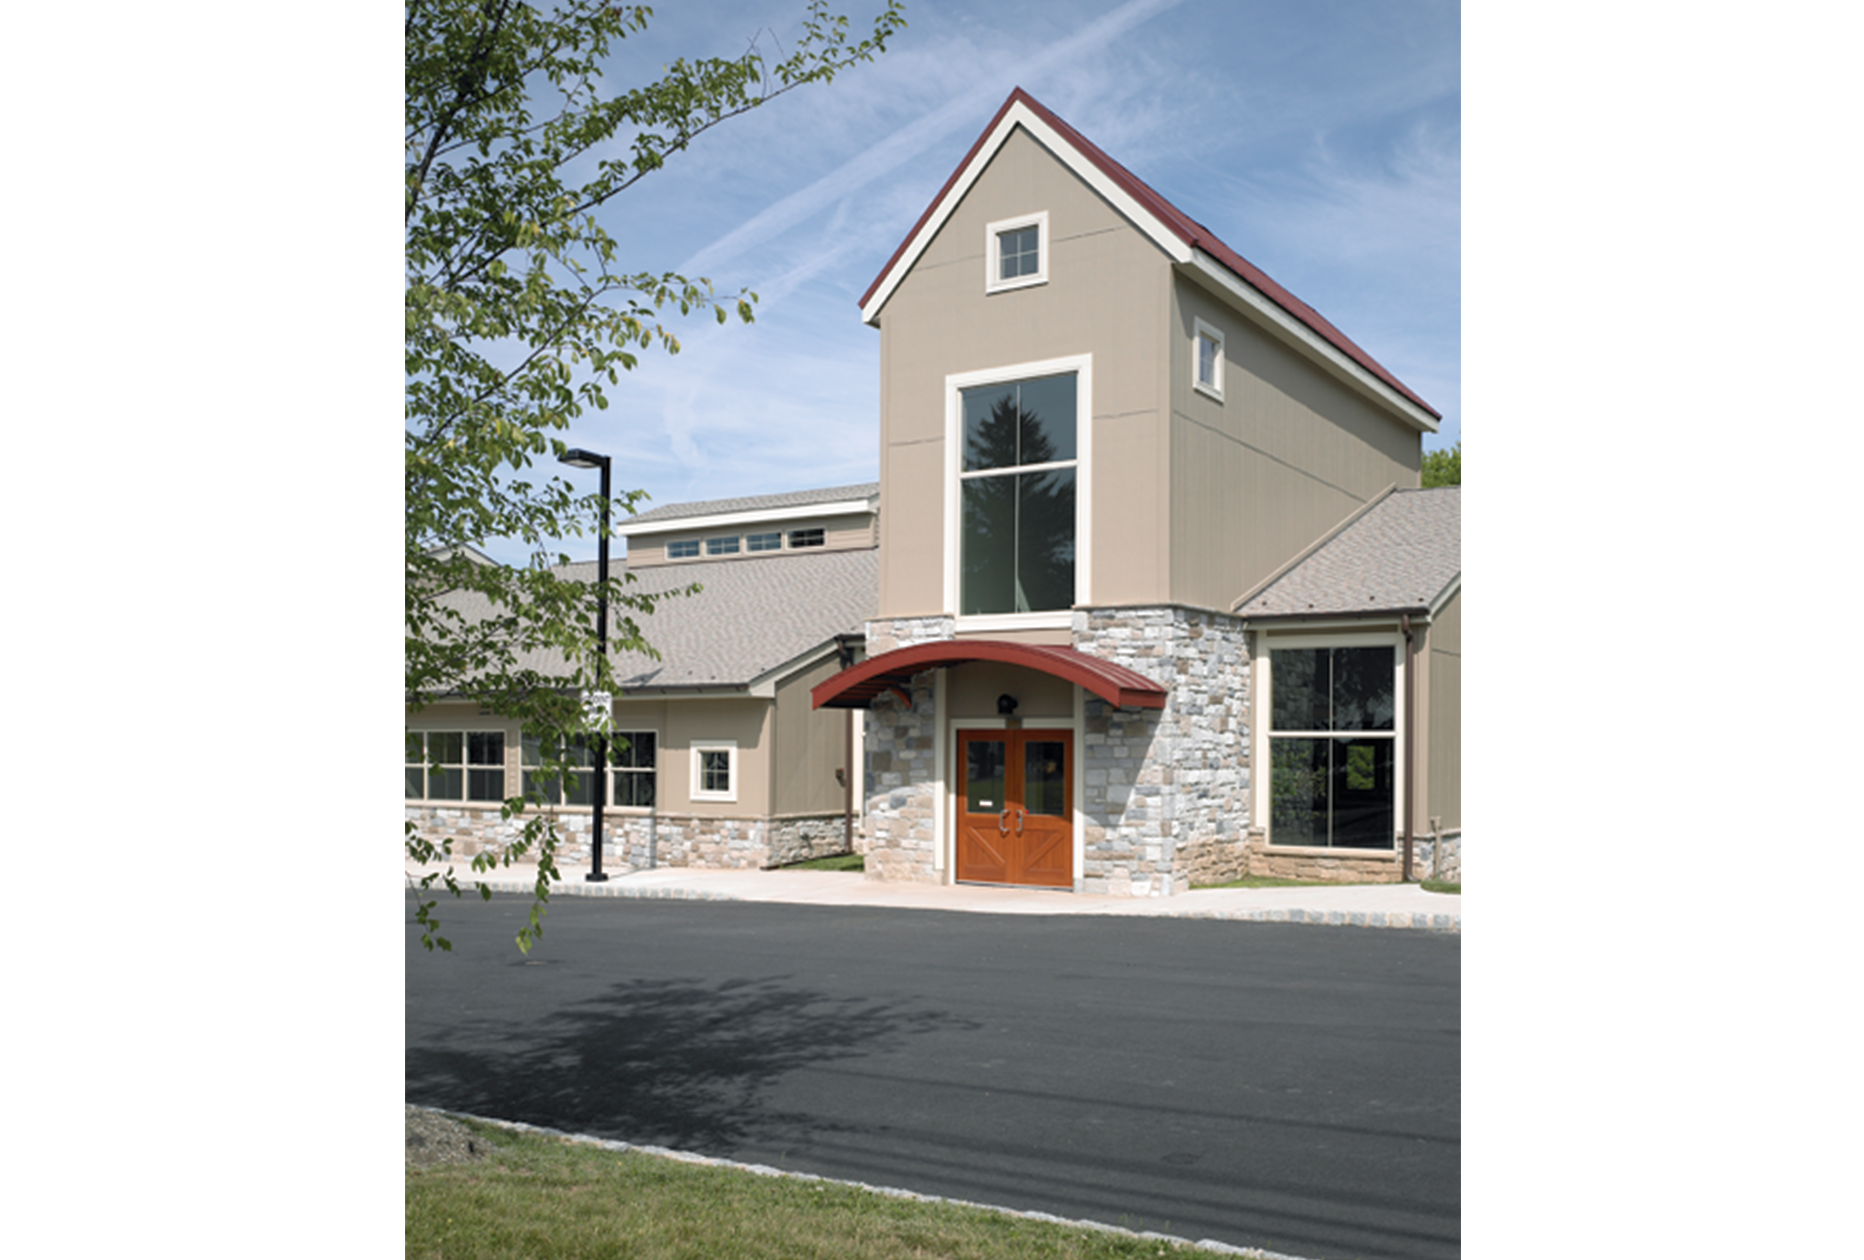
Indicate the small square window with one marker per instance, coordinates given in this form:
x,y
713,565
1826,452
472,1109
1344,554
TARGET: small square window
x,y
684,549
722,546
807,538
715,770
772,541
1016,252
1207,360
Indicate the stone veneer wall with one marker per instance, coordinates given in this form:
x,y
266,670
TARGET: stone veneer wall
x,y
634,840
1167,790
901,739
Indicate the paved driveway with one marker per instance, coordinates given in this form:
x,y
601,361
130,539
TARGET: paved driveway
x,y
1287,1087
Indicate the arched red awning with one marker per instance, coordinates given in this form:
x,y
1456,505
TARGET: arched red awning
x,y
856,686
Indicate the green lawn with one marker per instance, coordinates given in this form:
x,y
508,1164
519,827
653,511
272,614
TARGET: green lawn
x,y
840,862
545,1198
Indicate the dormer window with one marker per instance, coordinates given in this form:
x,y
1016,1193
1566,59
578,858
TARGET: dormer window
x,y
1016,253
682,549
722,546
1207,361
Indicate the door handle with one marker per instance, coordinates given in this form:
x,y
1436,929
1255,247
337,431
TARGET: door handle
x,y
1003,823
1021,814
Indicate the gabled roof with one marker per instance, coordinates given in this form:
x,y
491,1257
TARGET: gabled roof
x,y
756,504
1188,243
1404,555
753,618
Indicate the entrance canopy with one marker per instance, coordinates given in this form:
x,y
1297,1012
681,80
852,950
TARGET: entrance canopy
x,y
856,686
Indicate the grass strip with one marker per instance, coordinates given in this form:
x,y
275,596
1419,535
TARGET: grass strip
x,y
840,862
542,1197
1442,886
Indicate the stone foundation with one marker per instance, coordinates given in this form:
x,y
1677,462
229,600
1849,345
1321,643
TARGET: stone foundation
x,y
638,840
896,825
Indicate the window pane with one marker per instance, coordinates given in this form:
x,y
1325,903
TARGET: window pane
x,y
1207,359
485,748
983,776
806,538
635,788
579,789
542,786
1043,789
1298,682
772,541
412,780
485,785
1363,689
1362,795
631,749
714,770
1044,541
987,548
1017,253
1046,431
722,546
1298,790
415,750
447,748
683,550
990,427
446,785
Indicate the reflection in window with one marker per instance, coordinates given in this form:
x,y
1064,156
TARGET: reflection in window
x,y
1017,497
454,766
1332,753
632,753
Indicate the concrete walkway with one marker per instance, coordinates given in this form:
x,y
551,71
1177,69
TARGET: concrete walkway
x,y
1355,905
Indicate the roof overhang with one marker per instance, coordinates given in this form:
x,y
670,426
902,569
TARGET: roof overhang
x,y
856,686
750,516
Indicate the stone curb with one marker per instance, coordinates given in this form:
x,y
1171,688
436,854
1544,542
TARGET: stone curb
x,y
1390,919
1209,1245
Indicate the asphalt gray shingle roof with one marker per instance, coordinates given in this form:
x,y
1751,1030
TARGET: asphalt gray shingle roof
x,y
757,503
751,615
1399,556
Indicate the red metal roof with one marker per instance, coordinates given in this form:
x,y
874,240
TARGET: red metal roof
x,y
856,686
1175,221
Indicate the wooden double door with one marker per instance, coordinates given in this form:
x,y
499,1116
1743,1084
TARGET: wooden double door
x,y
1016,807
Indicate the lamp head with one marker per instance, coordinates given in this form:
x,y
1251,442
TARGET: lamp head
x,y
576,457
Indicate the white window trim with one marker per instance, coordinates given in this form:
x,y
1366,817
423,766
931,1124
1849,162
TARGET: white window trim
x,y
993,235
1082,365
1200,331
1265,706
729,746
465,765
615,772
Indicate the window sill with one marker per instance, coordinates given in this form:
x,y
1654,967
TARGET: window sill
x,y
988,622
1021,282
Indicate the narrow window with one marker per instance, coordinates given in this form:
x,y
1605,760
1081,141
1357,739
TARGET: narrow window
x,y
683,549
633,757
485,766
1207,361
807,538
1017,253
772,541
722,546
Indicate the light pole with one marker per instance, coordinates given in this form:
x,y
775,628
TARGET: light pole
x,y
578,458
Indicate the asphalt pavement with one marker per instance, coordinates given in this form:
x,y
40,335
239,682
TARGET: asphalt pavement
x,y
1290,1084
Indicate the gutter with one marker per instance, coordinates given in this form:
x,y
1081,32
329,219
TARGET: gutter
x,y
1410,728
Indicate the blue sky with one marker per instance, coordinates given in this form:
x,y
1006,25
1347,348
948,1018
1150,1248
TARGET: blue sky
x,y
1322,141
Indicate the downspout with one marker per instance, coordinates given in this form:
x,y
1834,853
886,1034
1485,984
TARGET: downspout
x,y
1410,727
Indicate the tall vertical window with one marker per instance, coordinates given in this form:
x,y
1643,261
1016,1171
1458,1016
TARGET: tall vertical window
x,y
1332,747
1207,360
1016,252
1017,496
632,753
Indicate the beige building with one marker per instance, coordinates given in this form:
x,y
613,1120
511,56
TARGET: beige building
x,y
1117,648
719,757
